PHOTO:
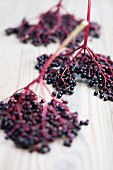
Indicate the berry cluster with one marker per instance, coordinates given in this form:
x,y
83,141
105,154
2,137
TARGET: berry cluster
x,y
52,26
32,123
96,68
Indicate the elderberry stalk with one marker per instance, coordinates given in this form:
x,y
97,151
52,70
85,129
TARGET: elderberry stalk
x,y
32,122
83,63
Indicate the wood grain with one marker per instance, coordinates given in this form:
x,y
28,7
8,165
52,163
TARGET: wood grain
x,y
93,149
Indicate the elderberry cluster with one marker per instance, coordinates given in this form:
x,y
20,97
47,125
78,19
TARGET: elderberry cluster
x,y
97,69
50,28
31,123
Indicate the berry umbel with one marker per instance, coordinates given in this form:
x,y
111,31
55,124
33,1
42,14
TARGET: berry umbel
x,y
55,24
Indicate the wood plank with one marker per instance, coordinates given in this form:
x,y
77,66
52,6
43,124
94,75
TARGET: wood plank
x,y
92,150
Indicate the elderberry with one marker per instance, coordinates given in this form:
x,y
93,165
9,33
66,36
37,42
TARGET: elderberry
x,y
95,93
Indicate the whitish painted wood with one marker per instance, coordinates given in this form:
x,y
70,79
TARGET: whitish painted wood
x,y
93,149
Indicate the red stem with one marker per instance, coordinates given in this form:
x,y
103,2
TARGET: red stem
x,y
60,3
88,19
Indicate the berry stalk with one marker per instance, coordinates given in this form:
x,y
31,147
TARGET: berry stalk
x,y
96,68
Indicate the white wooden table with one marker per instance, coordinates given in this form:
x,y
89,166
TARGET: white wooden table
x,y
93,148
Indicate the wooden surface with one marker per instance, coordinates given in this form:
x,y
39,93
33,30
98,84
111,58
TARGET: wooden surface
x,y
93,149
